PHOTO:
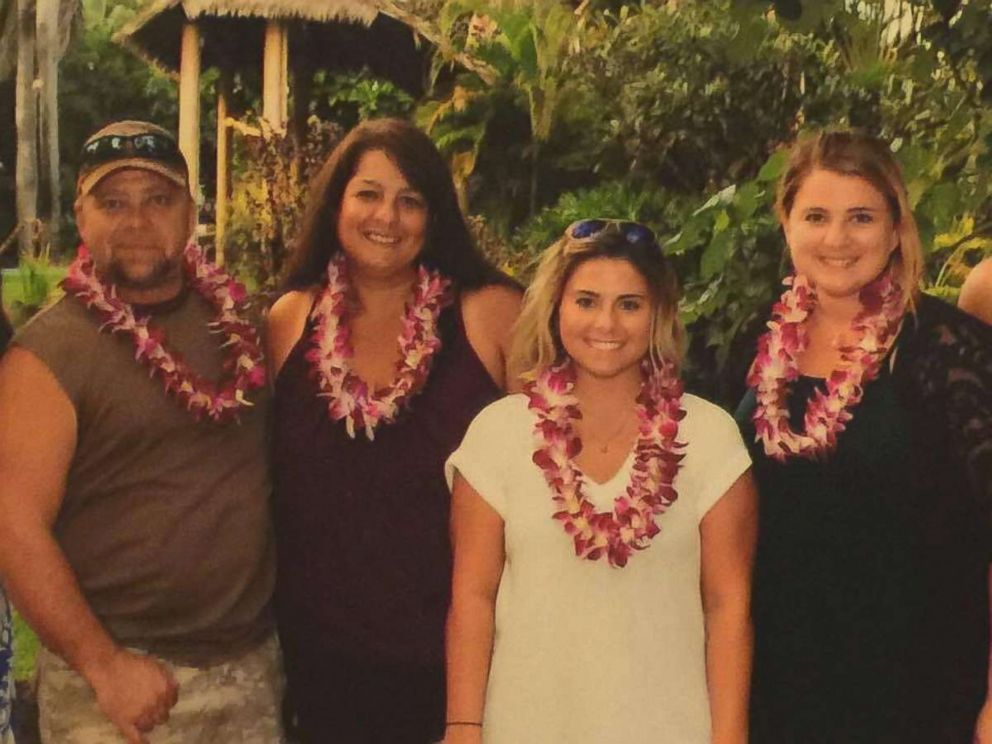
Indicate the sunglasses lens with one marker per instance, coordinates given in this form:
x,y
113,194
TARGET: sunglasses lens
x,y
585,228
114,146
153,144
636,233
145,144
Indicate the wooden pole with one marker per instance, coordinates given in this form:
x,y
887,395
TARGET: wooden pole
x,y
48,68
189,104
274,75
26,116
223,164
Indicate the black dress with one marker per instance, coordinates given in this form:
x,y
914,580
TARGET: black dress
x,y
364,564
870,596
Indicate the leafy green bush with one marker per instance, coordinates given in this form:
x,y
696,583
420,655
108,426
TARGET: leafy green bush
x,y
614,199
269,196
31,286
347,98
695,96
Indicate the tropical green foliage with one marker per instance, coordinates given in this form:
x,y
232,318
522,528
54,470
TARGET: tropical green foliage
x,y
673,113
26,645
30,286
269,196
101,81
347,98
524,47
676,114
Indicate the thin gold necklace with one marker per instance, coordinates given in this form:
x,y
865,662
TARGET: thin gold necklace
x,y
604,446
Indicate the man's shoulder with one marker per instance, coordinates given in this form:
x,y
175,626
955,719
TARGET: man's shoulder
x,y
60,321
61,337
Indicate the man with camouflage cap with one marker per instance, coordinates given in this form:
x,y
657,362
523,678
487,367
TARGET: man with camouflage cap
x,y
134,484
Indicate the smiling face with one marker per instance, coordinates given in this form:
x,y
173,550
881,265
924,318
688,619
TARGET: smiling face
x,y
604,318
383,219
840,232
135,224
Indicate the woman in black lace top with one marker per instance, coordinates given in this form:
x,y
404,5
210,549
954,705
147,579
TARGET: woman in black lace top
x,y
869,419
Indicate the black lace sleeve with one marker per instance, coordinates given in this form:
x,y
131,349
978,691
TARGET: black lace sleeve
x,y
949,359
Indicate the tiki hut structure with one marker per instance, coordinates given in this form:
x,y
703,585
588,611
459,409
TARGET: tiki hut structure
x,y
289,40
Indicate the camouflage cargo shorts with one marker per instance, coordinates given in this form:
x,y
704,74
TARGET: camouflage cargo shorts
x,y
235,702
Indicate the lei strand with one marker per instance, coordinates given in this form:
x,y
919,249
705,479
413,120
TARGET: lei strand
x,y
775,366
632,523
349,398
243,367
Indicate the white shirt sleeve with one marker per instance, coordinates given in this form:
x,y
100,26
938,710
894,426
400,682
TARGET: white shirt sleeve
x,y
716,455
490,443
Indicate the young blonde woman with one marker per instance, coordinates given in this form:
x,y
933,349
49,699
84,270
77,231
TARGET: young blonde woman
x,y
870,423
603,523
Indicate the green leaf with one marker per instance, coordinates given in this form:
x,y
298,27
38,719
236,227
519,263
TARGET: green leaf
x,y
749,198
94,10
915,161
774,167
750,34
722,197
525,53
942,203
915,190
685,239
716,255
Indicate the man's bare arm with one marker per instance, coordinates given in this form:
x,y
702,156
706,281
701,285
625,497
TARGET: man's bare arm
x,y
37,442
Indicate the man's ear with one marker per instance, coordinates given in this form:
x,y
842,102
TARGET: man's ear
x,y
77,210
193,213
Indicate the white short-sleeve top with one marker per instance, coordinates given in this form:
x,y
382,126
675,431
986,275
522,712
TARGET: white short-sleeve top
x,y
586,653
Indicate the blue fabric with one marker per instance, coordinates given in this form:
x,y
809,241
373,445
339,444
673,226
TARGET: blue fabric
x,y
6,669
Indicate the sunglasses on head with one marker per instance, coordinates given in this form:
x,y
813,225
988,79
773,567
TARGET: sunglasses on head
x,y
116,146
632,232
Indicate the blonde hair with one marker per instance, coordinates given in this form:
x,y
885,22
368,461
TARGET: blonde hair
x,y
854,153
536,343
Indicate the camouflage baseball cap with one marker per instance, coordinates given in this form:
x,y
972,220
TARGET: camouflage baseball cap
x,y
130,144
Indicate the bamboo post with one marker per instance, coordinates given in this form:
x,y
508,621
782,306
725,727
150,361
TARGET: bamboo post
x,y
48,69
223,164
189,103
274,75
26,107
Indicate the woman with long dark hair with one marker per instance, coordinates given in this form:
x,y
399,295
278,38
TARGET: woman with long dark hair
x,y
392,337
870,423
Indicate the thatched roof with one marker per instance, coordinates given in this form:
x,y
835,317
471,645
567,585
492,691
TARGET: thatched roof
x,y
155,31
343,34
308,10
335,34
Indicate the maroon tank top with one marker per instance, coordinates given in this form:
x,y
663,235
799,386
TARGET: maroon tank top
x,y
364,562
